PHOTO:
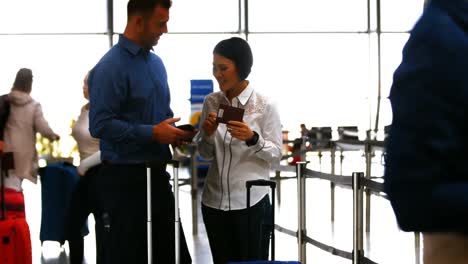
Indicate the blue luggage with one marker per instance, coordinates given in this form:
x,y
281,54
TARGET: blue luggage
x,y
58,181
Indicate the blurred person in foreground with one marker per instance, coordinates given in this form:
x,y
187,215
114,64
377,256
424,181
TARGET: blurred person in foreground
x,y
426,176
130,114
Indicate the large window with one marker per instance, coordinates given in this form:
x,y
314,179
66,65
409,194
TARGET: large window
x,y
59,64
317,59
400,15
52,16
191,16
307,15
315,78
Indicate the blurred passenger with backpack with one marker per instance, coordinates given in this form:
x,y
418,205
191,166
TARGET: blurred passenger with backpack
x,y
24,121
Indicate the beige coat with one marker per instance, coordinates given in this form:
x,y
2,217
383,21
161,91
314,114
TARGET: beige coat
x,y
25,120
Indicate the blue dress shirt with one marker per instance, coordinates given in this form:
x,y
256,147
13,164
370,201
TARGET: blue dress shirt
x,y
129,94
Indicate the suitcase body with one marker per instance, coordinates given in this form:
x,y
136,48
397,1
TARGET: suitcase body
x,y
15,241
14,204
15,238
58,181
272,185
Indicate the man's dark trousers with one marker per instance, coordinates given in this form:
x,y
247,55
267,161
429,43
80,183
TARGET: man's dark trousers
x,y
123,198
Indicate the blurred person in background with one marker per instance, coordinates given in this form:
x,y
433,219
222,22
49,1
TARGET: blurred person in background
x,y
83,201
24,121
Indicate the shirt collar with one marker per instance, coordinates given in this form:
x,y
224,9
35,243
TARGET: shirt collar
x,y
130,46
244,96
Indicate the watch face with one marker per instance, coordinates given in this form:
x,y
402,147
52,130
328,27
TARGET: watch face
x,y
253,140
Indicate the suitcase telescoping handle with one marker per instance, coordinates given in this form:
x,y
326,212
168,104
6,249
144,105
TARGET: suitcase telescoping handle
x,y
175,165
272,185
149,224
251,183
6,163
2,189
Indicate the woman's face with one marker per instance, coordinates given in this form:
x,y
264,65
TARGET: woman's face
x,y
85,87
225,72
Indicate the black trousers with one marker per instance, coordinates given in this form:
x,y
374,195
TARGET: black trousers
x,y
231,239
123,199
83,202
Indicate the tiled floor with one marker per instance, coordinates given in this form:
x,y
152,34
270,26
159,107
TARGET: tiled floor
x,y
384,244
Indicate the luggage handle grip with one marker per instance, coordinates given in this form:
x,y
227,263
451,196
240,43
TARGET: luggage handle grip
x,y
251,183
175,163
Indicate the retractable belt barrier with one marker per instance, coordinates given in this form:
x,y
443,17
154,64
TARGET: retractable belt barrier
x,y
358,183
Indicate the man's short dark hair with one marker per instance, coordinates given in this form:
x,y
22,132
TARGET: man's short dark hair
x,y
144,7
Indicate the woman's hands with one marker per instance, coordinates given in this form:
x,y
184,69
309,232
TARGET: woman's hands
x,y
240,130
210,124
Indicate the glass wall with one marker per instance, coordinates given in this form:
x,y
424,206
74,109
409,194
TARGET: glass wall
x,y
52,16
307,15
317,59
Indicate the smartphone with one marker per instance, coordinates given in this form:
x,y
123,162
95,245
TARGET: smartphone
x,y
186,127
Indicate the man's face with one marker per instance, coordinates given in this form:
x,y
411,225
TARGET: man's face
x,y
154,26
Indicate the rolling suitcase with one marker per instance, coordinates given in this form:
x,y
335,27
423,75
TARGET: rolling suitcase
x,y
149,213
58,181
15,239
272,185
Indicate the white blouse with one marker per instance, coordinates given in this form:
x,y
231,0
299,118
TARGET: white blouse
x,y
233,162
87,145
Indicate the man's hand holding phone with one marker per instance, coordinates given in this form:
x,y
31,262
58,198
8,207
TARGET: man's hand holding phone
x,y
188,132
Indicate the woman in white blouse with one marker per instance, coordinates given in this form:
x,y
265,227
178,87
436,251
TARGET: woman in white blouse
x,y
240,151
83,201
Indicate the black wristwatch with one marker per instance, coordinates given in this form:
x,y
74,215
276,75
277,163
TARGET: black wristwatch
x,y
253,141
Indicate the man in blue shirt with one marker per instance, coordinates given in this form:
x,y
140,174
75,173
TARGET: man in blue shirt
x,y
130,113
426,177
